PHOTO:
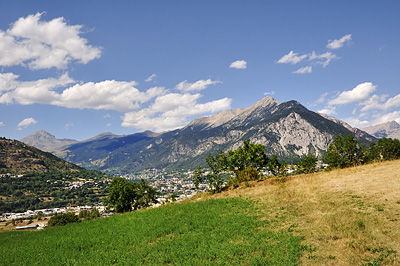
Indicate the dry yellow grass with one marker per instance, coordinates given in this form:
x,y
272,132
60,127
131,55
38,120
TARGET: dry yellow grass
x,y
348,217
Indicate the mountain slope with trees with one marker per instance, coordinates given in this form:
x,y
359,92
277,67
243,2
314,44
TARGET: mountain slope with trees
x,y
34,179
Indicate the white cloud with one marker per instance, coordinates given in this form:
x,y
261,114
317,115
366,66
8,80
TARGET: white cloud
x,y
239,64
269,93
68,125
1,124
121,96
328,111
393,116
107,116
107,95
44,44
303,70
336,44
199,85
30,92
355,122
151,78
321,99
378,102
360,92
291,58
26,122
323,59
172,111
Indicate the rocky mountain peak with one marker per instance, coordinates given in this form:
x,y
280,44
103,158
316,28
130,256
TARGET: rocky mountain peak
x,y
386,130
45,141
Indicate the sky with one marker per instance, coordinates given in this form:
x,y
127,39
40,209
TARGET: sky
x,y
80,68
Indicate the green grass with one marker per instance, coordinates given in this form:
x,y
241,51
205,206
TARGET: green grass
x,y
213,232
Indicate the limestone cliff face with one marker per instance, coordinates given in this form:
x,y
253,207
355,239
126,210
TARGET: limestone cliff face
x,y
287,129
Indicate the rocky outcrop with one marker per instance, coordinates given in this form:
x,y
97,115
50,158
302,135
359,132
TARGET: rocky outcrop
x,y
386,130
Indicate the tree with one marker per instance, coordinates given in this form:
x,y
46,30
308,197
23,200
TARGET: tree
x,y
343,152
63,219
217,164
121,195
125,196
198,177
276,168
249,155
307,165
145,195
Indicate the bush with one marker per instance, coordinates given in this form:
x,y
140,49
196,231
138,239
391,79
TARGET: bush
x,y
63,219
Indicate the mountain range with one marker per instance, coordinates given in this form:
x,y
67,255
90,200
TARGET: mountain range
x,y
386,130
287,129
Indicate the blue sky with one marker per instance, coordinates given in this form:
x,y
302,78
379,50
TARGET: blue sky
x,y
80,68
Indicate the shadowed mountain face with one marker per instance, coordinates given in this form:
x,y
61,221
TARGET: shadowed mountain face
x,y
46,142
386,130
287,129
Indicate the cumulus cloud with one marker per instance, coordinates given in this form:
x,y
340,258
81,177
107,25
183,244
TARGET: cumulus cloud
x,y
151,78
380,102
121,96
155,108
30,92
336,44
199,85
171,111
26,122
303,70
328,111
355,122
291,58
393,116
44,44
323,59
359,93
239,64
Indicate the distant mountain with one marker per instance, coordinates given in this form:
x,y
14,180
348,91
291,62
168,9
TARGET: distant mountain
x,y
386,130
46,142
287,129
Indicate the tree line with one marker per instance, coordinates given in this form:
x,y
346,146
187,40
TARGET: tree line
x,y
247,162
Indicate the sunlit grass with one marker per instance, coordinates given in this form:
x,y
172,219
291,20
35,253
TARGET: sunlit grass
x,y
348,217
214,232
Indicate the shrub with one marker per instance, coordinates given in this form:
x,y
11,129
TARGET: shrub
x,y
63,219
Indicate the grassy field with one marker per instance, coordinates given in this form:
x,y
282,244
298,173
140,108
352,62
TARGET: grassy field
x,y
343,217
348,217
213,232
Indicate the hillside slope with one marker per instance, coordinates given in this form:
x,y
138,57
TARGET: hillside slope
x,y
344,217
348,217
34,179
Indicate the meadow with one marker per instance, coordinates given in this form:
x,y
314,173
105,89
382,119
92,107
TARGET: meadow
x,y
212,232
343,217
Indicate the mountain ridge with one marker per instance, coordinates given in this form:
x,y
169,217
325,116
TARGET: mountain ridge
x,y
287,129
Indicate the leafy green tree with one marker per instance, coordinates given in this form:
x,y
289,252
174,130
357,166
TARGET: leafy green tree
x,y
198,177
389,148
63,219
343,152
145,195
249,155
217,164
121,195
276,168
307,165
